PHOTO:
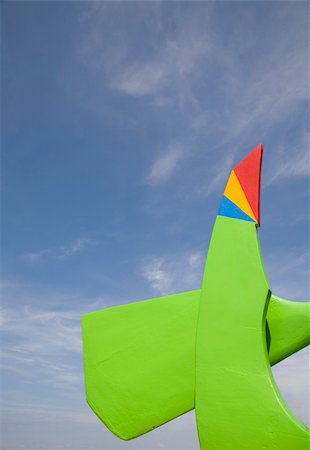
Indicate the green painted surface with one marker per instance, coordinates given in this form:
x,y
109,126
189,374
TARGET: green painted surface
x,y
140,358
238,405
289,324
139,362
148,362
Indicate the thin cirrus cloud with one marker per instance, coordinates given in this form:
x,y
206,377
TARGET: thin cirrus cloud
x,y
38,343
166,165
290,278
41,334
288,163
169,274
249,97
174,273
162,70
60,252
166,73
191,48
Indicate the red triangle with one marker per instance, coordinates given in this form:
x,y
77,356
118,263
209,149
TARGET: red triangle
x,y
248,172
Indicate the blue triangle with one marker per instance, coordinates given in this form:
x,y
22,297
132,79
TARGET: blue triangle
x,y
230,209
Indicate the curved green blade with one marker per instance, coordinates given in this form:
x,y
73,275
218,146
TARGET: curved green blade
x,y
238,405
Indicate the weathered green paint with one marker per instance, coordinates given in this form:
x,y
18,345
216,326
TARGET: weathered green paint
x,y
238,405
140,358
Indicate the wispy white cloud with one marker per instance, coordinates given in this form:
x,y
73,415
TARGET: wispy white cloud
x,y
60,252
287,162
76,247
40,330
34,257
140,81
164,75
215,89
75,426
38,342
219,179
159,278
43,413
41,334
172,274
288,273
167,164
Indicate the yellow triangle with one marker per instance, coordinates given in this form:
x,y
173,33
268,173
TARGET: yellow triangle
x,y
236,194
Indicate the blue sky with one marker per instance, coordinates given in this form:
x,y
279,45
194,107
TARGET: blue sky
x,y
120,125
